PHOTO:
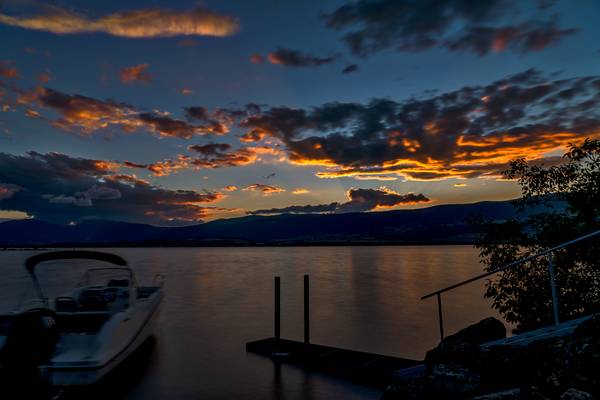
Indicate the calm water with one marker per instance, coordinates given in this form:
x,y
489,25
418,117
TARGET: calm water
x,y
217,299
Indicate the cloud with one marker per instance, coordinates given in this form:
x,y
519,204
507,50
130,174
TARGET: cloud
x,y
266,190
294,58
7,191
146,23
257,59
44,77
60,188
230,188
359,200
83,113
8,70
350,69
471,132
87,115
300,191
210,149
84,199
135,73
186,91
211,156
523,38
404,25
372,199
308,209
187,42
165,125
234,158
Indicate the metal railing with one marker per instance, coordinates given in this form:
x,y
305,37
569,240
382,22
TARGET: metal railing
x,y
547,253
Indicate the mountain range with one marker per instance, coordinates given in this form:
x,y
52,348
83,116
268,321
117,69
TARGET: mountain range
x,y
432,225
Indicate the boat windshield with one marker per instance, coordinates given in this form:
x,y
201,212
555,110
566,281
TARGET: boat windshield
x,y
115,277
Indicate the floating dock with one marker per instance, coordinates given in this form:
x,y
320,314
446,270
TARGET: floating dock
x,y
367,369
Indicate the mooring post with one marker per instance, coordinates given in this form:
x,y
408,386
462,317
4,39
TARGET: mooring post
x,y
553,288
441,318
277,315
306,310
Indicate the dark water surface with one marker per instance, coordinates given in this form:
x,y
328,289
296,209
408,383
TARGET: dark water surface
x,y
217,299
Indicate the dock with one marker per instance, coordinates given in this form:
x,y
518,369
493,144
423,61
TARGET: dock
x,y
373,370
369,369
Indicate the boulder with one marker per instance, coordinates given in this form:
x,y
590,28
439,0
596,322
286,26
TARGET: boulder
x,y
505,367
551,356
451,381
511,394
463,347
560,382
486,330
574,394
588,329
405,390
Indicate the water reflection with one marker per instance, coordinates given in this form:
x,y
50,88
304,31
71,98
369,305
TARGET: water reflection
x,y
217,299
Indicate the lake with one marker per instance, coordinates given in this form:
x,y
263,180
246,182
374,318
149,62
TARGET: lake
x,y
217,299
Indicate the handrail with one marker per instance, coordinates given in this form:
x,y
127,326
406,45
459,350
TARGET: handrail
x,y
510,265
507,266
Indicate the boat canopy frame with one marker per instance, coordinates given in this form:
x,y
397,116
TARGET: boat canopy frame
x,y
32,262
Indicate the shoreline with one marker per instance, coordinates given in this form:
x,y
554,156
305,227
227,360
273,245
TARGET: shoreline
x,y
46,246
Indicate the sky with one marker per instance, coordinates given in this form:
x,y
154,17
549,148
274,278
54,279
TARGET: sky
x,y
179,112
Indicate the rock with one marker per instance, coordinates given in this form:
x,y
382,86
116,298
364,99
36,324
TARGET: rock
x,y
574,394
505,367
408,384
466,354
588,329
486,330
511,394
451,381
558,383
463,347
551,356
405,390
533,393
585,349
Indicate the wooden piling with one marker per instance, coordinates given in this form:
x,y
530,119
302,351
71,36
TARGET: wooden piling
x,y
277,308
306,310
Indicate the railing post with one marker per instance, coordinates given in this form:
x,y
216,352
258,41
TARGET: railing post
x,y
441,318
553,288
277,315
306,310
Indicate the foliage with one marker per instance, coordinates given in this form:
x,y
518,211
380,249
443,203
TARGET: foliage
x,y
559,203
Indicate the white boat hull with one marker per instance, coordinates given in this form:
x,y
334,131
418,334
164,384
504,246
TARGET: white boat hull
x,y
120,346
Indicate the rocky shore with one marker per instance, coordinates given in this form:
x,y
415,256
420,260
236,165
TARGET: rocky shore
x,y
565,368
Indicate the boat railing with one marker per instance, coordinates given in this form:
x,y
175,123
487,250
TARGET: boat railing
x,y
547,253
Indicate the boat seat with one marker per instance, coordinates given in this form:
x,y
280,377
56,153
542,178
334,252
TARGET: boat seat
x,y
81,322
65,304
118,282
92,300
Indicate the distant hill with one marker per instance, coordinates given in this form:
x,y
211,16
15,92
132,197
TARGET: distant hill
x,y
432,225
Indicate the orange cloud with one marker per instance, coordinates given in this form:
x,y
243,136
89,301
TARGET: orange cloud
x,y
132,24
135,73
300,191
266,190
468,133
257,59
7,70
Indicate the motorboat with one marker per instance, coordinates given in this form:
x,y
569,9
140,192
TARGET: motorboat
x,y
78,338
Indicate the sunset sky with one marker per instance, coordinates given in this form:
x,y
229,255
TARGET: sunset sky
x,y
177,112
